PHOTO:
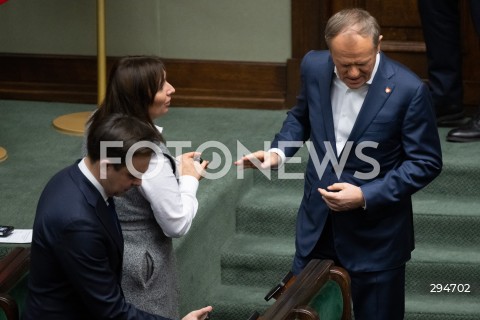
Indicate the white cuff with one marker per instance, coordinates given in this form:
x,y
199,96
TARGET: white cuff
x,y
281,155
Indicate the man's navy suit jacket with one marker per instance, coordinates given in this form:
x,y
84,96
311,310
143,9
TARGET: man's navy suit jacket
x,y
76,255
398,115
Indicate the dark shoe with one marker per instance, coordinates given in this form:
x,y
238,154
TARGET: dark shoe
x,y
467,133
451,115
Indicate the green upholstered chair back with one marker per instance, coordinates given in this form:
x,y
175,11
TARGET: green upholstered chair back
x,y
321,291
19,294
328,302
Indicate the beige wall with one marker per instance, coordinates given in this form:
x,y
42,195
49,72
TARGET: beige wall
x,y
245,30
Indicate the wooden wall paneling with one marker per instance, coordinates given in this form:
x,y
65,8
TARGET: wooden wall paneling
x,y
243,84
337,5
308,24
48,78
227,83
198,83
402,32
403,38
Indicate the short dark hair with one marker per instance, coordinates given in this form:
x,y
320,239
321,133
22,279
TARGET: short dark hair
x,y
119,127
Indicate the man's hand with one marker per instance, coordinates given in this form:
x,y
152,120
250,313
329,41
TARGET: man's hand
x,y
343,197
262,159
200,314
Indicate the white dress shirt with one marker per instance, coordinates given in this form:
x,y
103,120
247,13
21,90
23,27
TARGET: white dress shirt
x,y
86,172
174,203
346,104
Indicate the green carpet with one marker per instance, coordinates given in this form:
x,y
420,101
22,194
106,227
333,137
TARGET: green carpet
x,y
242,240
447,221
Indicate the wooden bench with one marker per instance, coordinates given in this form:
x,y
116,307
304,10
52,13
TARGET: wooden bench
x,y
14,267
320,292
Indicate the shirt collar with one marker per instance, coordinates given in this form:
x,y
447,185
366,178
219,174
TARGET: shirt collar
x,y
86,172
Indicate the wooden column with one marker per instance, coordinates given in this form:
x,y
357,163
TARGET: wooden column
x,y
308,23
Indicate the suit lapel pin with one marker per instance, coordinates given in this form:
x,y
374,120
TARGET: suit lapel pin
x,y
388,90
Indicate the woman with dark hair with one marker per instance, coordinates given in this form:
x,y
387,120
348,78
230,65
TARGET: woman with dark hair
x,y
164,206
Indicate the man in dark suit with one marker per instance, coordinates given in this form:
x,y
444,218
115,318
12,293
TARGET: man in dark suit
x,y
443,38
374,122
77,245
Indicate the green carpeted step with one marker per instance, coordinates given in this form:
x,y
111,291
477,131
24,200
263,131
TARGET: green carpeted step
x,y
235,302
291,179
456,180
460,174
449,220
256,260
438,218
290,176
442,306
268,211
251,260
433,264
459,177
446,249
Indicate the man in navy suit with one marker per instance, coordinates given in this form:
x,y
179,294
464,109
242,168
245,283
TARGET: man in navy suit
x,y
77,245
374,122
